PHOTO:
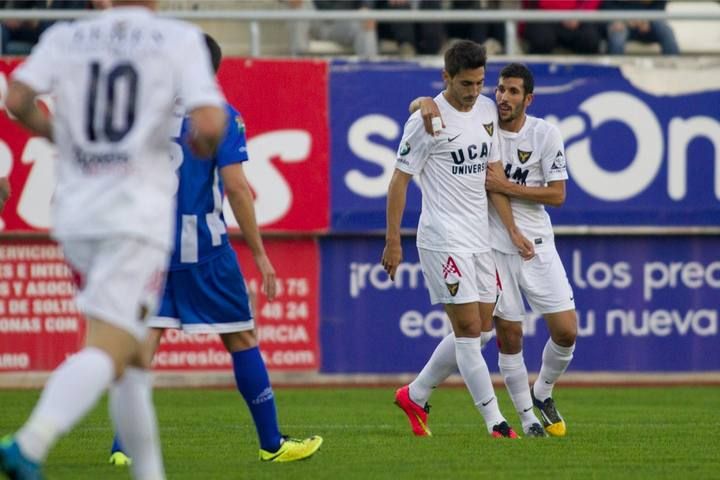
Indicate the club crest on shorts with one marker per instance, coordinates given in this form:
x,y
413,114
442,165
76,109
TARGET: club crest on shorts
x,y
489,128
523,156
450,269
453,288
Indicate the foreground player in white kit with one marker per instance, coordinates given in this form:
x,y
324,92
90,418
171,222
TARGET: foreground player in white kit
x,y
453,235
115,79
534,176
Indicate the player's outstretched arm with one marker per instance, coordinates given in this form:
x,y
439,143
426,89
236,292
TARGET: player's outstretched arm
x,y
21,103
396,198
241,201
430,113
4,192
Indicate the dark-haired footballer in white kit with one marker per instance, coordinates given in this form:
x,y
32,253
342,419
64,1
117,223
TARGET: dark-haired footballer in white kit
x,y
453,238
534,176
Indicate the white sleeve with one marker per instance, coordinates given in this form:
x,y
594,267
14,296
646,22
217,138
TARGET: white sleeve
x,y
39,69
414,148
553,156
198,86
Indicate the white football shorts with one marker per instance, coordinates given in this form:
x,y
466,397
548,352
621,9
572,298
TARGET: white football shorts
x,y
119,279
457,278
542,280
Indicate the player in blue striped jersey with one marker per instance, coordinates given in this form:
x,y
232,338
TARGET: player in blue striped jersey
x,y
205,291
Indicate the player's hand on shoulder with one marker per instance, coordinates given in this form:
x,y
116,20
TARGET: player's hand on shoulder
x,y
430,113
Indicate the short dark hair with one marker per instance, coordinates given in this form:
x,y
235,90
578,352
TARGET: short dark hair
x,y
464,55
519,70
214,51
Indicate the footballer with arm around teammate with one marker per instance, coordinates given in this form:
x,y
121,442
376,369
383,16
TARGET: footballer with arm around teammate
x,y
534,175
452,238
114,78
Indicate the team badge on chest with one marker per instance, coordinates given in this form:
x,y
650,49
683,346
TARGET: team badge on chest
x,y
489,128
523,156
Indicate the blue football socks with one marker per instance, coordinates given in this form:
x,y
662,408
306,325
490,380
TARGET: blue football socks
x,y
116,446
253,383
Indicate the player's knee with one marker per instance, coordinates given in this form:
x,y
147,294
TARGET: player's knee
x,y
565,337
237,341
510,336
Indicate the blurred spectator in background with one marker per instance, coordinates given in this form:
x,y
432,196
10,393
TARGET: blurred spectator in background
x,y
576,36
423,38
80,4
655,31
19,36
492,35
361,36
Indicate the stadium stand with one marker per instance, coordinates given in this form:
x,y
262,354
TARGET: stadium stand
x,y
695,37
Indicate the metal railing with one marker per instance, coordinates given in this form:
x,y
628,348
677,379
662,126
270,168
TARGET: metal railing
x,y
510,18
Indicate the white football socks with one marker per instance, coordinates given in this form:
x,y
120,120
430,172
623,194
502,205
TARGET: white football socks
x,y
71,391
514,372
555,361
441,365
476,375
133,414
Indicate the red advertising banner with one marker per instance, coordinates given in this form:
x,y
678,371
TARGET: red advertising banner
x,y
40,326
285,107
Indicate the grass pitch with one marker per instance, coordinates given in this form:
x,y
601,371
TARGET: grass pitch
x,y
653,433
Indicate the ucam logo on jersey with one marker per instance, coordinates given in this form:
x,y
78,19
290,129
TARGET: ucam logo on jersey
x,y
284,144
637,153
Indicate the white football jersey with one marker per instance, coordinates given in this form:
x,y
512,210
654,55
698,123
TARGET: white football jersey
x,y
534,156
451,168
115,79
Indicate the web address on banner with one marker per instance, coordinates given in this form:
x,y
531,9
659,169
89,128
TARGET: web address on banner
x,y
214,358
289,358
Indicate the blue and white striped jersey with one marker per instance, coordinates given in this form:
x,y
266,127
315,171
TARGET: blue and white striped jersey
x,y
200,231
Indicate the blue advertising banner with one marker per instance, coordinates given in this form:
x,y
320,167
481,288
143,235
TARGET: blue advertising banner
x,y
645,304
643,144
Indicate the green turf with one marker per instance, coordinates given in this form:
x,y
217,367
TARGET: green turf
x,y
653,433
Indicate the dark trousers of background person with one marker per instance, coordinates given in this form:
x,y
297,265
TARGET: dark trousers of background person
x,y
476,31
660,32
545,37
426,37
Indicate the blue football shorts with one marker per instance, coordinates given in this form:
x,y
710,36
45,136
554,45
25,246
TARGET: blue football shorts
x,y
210,297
